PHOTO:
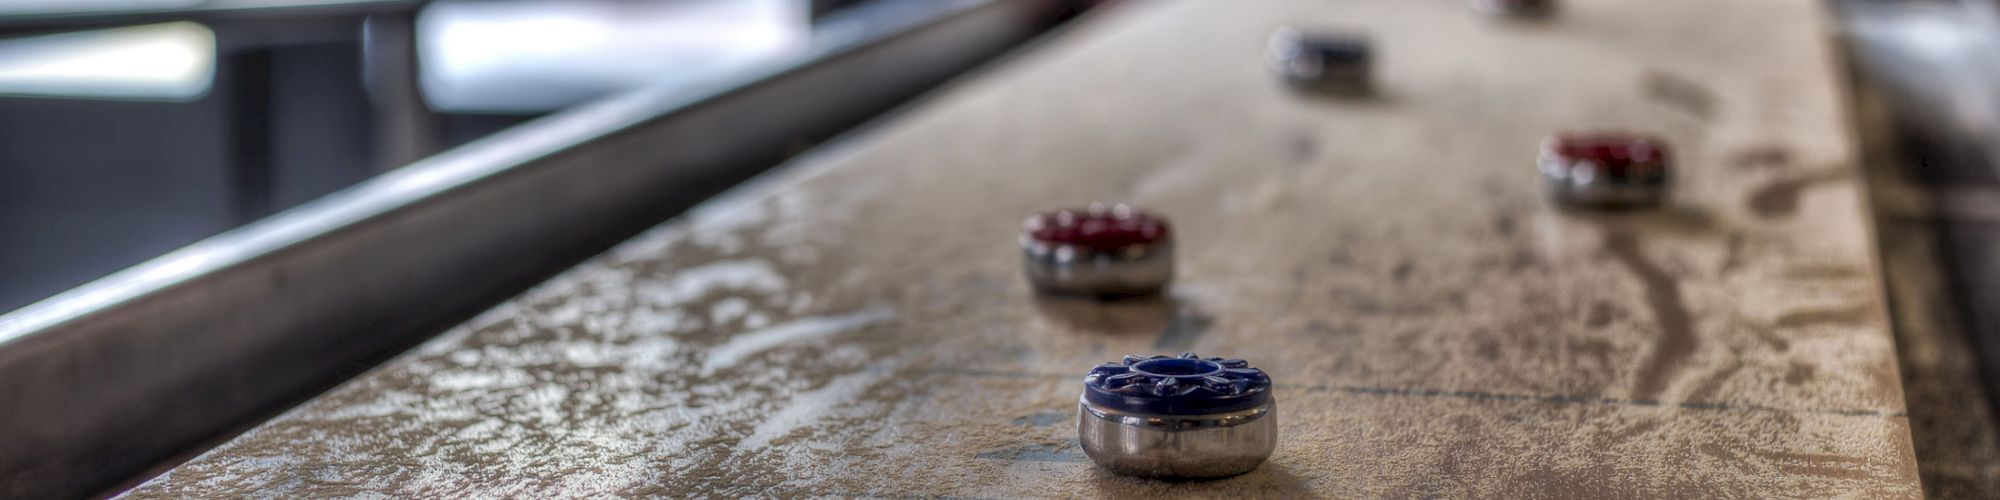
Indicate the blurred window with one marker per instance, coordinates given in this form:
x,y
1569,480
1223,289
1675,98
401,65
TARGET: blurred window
x,y
539,56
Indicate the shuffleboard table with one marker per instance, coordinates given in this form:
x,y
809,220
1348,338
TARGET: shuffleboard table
x,y
855,323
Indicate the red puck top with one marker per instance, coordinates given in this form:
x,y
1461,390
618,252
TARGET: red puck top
x,y
1099,228
1616,155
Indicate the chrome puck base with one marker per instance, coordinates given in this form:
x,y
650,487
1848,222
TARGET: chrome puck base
x,y
1069,270
1173,446
1519,8
1603,195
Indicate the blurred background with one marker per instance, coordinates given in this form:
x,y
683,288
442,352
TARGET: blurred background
x,y
132,127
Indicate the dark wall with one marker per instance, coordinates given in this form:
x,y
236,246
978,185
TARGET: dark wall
x,y
88,187
320,122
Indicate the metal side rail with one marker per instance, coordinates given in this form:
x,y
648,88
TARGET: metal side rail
x,y
103,382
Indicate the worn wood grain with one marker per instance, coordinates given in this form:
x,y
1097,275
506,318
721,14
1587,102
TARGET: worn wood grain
x,y
856,323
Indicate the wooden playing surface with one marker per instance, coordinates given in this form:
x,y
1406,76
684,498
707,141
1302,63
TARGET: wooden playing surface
x,y
856,323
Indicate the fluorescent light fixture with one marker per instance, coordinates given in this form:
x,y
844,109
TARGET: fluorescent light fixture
x,y
45,7
63,8
170,61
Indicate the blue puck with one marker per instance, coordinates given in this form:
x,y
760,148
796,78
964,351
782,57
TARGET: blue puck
x,y
1177,385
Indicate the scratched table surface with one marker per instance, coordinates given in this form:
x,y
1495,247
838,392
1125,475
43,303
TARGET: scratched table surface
x,y
855,323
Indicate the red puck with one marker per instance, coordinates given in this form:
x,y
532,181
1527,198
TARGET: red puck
x,y
1099,227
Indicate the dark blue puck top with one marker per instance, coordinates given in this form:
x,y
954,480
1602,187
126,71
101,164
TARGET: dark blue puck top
x,y
1182,385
